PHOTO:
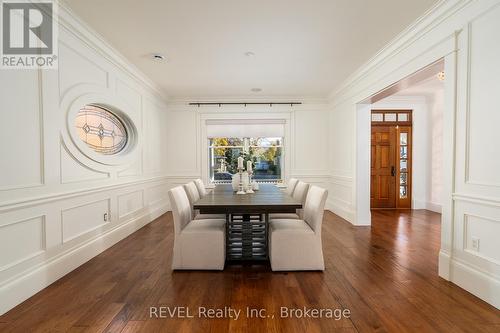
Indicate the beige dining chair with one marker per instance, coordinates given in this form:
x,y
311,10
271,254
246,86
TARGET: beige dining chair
x,y
201,187
193,196
299,194
291,185
295,245
198,244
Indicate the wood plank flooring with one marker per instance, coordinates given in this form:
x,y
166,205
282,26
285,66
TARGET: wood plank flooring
x,y
385,275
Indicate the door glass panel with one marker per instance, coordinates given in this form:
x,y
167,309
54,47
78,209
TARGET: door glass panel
x,y
403,165
377,117
403,139
403,178
403,152
390,117
402,116
402,191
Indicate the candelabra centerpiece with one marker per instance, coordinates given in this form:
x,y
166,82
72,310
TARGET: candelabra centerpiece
x,y
250,173
241,189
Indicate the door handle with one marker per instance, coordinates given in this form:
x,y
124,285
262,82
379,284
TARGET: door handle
x,y
393,171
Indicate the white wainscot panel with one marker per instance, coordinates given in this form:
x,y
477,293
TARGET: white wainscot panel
x,y
130,203
182,144
310,141
73,171
482,230
78,67
152,132
79,220
156,194
21,240
484,160
20,137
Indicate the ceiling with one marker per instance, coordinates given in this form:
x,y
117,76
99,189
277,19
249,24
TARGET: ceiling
x,y
428,88
302,48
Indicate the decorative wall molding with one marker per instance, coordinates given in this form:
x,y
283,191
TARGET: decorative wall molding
x,y
50,197
477,199
42,245
22,286
40,121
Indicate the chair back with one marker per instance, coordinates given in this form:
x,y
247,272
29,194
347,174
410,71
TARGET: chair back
x,y
300,191
314,208
201,187
192,192
181,209
291,185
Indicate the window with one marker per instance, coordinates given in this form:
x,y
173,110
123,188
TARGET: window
x,y
393,117
101,130
266,155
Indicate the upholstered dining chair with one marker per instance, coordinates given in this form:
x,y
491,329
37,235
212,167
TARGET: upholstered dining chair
x,y
193,196
291,185
299,194
201,187
198,244
295,245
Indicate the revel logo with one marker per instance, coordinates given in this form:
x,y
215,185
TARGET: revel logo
x,y
28,34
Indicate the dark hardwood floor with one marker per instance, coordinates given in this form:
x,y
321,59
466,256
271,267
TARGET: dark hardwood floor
x,y
385,275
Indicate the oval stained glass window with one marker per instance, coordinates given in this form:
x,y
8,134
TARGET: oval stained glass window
x,y
101,130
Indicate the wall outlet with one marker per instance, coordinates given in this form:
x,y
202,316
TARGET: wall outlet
x,y
475,244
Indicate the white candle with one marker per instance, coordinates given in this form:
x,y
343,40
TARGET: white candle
x,y
240,162
249,166
246,145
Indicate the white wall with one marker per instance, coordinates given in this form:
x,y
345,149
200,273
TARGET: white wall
x,y
464,33
435,183
52,198
306,138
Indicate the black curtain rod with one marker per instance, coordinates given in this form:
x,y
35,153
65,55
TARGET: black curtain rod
x,y
244,103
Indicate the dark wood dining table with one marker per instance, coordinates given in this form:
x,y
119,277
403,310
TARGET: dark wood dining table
x,y
247,217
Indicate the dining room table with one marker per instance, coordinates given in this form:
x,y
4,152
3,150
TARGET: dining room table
x,y
247,217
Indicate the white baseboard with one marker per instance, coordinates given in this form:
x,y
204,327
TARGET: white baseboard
x,y
476,282
434,207
38,278
444,265
340,209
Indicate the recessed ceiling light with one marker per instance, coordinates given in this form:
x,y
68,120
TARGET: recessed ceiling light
x,y
249,54
158,57
256,89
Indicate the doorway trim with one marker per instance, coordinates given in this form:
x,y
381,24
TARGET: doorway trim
x,y
402,122
446,51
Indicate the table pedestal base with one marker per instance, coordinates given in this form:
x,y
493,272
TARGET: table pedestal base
x,y
247,237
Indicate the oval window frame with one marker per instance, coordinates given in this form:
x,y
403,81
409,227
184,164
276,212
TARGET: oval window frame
x,y
123,128
124,157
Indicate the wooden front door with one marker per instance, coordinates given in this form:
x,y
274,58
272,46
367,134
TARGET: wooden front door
x,y
383,168
391,144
